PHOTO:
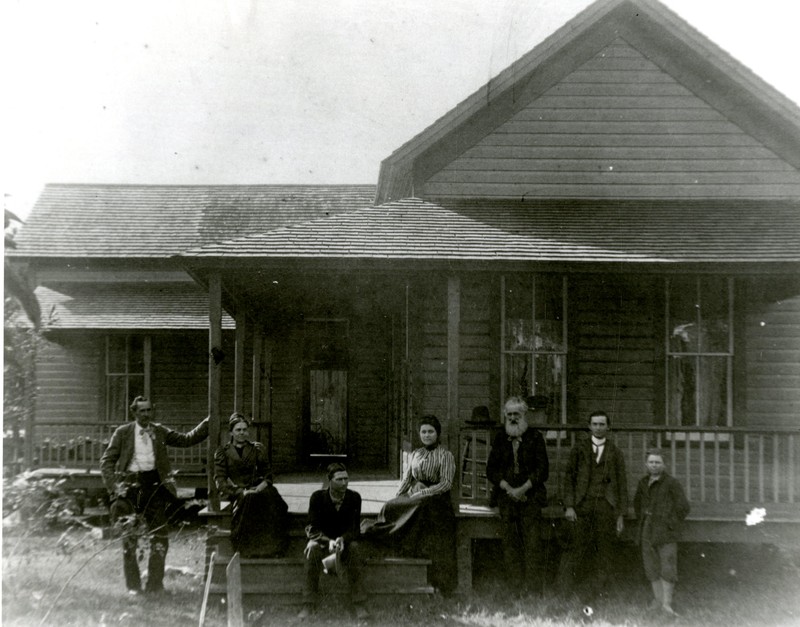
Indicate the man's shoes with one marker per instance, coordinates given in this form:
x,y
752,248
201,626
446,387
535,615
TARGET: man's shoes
x,y
654,605
307,611
134,592
668,611
362,613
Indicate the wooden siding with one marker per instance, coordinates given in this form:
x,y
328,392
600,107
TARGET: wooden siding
x,y
773,354
429,366
612,350
68,377
370,372
617,127
479,348
287,395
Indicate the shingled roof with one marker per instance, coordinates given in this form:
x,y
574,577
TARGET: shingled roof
x,y
127,306
127,221
660,232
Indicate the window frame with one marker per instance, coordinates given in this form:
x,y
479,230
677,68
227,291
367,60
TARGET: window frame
x,y
698,354
127,374
533,352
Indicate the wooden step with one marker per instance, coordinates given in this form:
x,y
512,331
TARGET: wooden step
x,y
284,576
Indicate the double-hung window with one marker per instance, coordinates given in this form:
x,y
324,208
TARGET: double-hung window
x,y
534,339
699,351
126,373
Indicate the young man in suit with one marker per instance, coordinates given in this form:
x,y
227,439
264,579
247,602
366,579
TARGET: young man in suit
x,y
596,500
136,472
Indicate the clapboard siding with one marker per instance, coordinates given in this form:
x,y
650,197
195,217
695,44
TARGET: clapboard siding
x,y
616,127
430,379
478,356
773,353
612,344
369,389
287,394
68,376
179,378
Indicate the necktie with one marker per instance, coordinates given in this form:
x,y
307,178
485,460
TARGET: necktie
x,y
515,447
598,450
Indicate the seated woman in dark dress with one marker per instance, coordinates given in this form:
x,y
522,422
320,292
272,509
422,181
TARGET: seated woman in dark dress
x,y
242,473
419,521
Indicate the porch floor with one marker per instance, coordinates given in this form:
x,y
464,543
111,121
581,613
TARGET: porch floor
x,y
296,490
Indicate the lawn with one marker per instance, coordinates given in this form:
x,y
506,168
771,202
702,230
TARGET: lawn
x,y
75,578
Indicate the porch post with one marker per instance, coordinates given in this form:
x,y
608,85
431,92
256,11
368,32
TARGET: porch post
x,y
238,372
214,380
453,357
258,349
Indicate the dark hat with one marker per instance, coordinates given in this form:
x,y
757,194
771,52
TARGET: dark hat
x,y
480,416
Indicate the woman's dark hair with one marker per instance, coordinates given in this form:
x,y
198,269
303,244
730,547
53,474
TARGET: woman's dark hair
x,y
433,421
235,419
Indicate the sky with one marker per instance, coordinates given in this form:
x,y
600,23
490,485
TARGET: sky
x,y
279,91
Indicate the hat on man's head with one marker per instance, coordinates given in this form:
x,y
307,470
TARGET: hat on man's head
x,y
480,416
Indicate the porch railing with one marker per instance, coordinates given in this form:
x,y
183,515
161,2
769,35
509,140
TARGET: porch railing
x,y
81,445
715,465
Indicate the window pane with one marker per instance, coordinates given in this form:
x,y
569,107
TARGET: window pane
x,y
519,332
683,308
549,314
549,375
518,375
682,388
116,354
714,315
117,400
713,391
136,354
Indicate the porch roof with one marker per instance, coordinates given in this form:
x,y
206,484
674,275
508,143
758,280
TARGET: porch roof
x,y
566,231
127,306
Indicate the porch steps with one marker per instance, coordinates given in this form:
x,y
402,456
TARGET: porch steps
x,y
244,582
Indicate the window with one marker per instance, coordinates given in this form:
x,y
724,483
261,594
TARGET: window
x,y
534,340
127,373
699,351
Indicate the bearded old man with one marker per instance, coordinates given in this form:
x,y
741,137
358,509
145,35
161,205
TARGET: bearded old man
x,y
518,468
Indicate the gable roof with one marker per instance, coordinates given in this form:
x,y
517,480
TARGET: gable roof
x,y
158,221
618,231
669,49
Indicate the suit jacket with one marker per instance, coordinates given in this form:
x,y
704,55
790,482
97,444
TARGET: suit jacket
x,y
326,523
118,456
578,472
667,505
532,460
246,471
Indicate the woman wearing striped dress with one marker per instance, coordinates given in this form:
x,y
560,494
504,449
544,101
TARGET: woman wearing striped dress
x,y
420,521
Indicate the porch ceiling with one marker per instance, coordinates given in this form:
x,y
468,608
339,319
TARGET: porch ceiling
x,y
552,231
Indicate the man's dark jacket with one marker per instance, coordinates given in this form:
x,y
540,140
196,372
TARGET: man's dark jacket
x,y
326,523
533,464
578,474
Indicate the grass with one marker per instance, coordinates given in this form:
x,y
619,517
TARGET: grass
x,y
75,578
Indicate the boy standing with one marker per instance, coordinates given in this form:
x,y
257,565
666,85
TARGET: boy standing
x,y
661,507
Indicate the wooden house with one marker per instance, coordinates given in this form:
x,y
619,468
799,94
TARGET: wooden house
x,y
612,222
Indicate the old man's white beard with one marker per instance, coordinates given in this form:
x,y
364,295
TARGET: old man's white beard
x,y
518,429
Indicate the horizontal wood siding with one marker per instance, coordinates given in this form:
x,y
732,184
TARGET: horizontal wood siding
x,y
369,390
179,379
479,355
773,353
613,339
69,379
430,363
617,127
287,397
